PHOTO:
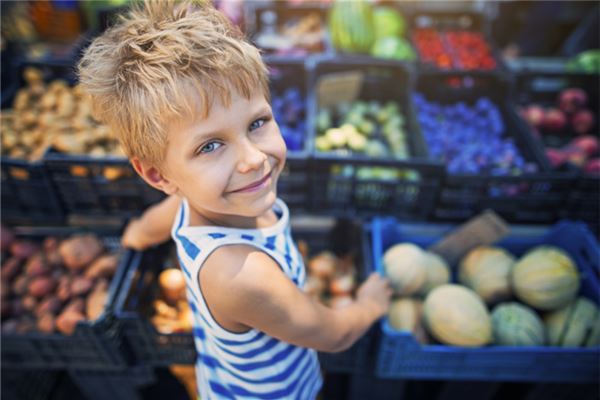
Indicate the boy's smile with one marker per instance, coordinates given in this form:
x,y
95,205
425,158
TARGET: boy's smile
x,y
227,165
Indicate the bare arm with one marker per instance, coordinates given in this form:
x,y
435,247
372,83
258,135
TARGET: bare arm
x,y
265,299
153,226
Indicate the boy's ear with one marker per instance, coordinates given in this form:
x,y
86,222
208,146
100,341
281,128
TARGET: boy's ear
x,y
153,176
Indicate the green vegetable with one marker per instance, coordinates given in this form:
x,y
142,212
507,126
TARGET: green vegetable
x,y
388,22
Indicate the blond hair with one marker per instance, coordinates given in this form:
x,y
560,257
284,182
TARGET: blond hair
x,y
166,60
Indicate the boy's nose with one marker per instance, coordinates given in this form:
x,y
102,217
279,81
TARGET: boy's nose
x,y
251,158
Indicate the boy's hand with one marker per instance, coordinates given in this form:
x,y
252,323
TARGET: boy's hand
x,y
375,293
133,236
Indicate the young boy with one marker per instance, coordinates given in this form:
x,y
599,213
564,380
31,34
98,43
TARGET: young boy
x,y
189,100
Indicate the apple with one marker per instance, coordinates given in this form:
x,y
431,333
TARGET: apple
x,y
572,99
534,115
587,144
554,119
582,121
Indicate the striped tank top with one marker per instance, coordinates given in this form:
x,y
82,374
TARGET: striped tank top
x,y
249,365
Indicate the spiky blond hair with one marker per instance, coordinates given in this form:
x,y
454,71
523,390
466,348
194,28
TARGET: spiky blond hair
x,y
165,60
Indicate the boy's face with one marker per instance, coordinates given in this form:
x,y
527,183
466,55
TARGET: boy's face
x,y
227,165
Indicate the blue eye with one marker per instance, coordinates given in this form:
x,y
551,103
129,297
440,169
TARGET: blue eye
x,y
257,124
210,147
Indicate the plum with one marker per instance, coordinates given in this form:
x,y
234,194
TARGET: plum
x,y
572,99
582,122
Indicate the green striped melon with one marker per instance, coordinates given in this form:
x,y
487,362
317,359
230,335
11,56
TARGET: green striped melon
x,y
515,324
486,270
437,272
574,325
545,278
455,315
405,267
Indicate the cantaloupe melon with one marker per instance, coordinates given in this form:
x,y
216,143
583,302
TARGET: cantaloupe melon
x,y
545,278
405,267
455,315
406,314
486,270
438,272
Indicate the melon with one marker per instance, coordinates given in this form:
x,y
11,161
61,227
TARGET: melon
x,y
573,325
438,272
405,314
515,324
545,278
456,315
404,265
486,270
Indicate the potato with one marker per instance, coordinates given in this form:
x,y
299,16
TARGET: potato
x,y
41,286
63,291
80,286
36,266
75,305
67,321
23,249
46,323
164,310
79,251
10,269
103,267
49,305
96,300
29,303
50,243
20,285
32,75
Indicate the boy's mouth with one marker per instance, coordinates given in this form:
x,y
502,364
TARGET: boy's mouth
x,y
255,185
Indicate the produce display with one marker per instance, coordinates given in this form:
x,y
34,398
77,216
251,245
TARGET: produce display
x,y
289,110
53,114
299,35
587,61
501,299
369,128
330,279
172,313
453,49
359,27
568,129
50,285
470,139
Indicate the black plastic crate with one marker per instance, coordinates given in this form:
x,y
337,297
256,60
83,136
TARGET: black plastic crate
x,y
346,184
122,384
529,197
99,186
28,196
443,21
134,302
94,344
288,82
583,202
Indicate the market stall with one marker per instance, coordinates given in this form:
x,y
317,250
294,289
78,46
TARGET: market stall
x,y
415,149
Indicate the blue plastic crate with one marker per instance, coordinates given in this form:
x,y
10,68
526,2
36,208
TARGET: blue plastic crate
x,y
399,355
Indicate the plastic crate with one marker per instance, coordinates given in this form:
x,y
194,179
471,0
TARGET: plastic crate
x,y
134,302
400,356
532,197
349,184
94,344
99,186
28,196
120,384
288,75
443,21
583,202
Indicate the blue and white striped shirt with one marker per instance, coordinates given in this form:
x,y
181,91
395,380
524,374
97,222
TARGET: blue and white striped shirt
x,y
249,365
